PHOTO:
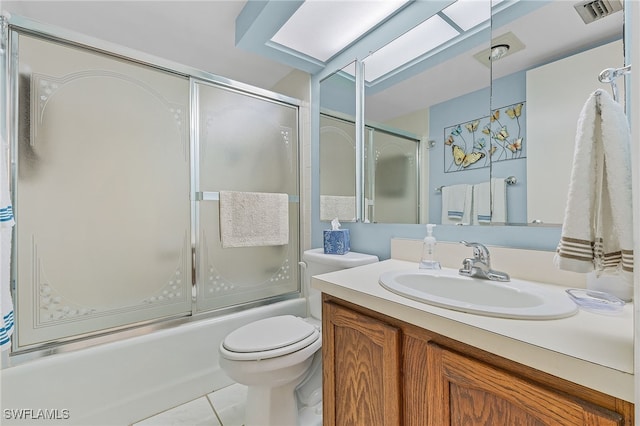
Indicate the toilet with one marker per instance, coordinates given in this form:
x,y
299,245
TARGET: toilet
x,y
279,358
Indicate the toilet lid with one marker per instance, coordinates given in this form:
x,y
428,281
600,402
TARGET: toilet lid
x,y
269,334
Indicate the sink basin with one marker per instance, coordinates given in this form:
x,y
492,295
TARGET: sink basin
x,y
445,288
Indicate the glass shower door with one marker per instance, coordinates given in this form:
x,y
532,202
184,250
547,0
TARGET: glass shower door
x,y
102,200
245,143
391,177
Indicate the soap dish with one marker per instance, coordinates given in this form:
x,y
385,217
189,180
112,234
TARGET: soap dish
x,y
596,301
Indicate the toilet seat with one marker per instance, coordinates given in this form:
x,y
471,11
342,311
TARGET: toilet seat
x,y
269,338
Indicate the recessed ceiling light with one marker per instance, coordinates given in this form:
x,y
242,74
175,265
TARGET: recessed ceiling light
x,y
501,46
498,51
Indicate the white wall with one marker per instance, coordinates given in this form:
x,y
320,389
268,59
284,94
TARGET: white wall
x,y
553,108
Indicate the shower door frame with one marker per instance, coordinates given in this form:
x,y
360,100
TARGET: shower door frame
x,y
13,25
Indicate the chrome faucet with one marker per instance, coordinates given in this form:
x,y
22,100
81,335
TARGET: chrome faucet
x,y
480,265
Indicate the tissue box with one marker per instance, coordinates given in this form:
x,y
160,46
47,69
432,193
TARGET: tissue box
x,y
337,242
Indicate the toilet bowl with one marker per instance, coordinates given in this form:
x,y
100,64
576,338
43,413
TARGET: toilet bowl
x,y
279,358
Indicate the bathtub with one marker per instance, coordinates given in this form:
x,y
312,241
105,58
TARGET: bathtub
x,y
125,381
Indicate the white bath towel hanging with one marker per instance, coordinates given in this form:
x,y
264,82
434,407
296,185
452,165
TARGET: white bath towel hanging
x,y
456,204
482,203
498,200
6,224
251,219
597,231
490,202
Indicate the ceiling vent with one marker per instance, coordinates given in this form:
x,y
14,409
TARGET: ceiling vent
x,y
592,10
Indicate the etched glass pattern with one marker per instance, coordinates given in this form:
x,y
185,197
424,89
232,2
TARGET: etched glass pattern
x,y
103,209
246,143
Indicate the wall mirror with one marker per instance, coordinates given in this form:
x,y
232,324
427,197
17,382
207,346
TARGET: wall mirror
x,y
539,86
477,119
403,86
338,146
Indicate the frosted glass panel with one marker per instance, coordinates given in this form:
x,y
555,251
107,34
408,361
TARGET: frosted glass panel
x,y
103,209
391,178
337,169
250,144
247,143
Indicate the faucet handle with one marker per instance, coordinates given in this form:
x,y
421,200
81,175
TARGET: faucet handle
x,y
480,251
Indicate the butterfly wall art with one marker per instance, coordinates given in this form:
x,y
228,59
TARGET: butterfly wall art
x,y
497,137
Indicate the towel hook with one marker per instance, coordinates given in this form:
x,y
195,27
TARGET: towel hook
x,y
609,75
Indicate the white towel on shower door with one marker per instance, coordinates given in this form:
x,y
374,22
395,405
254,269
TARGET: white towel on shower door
x,y
6,225
252,219
342,207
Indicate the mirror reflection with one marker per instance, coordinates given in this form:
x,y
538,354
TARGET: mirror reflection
x,y
501,130
539,86
413,97
338,146
391,176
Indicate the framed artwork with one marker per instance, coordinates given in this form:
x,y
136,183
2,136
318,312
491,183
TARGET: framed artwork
x,y
476,143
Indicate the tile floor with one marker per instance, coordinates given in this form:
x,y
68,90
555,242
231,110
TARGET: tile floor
x,y
224,407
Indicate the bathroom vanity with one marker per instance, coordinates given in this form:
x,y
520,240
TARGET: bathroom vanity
x,y
389,360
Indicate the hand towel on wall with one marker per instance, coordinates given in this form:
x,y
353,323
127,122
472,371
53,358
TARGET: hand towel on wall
x,y
597,231
456,204
498,200
251,219
481,203
342,207
6,224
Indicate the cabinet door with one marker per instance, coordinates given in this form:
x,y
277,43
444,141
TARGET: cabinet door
x,y
470,392
361,369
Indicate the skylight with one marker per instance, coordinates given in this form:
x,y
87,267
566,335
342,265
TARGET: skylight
x,y
425,37
468,13
322,28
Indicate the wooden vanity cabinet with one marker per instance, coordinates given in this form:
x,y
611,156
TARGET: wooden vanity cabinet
x,y
363,378
466,391
381,371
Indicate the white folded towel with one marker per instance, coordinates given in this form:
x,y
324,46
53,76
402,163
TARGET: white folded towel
x,y
456,204
597,231
6,223
498,200
490,202
250,219
482,203
342,207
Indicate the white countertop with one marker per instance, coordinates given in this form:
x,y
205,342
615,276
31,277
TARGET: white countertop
x,y
590,349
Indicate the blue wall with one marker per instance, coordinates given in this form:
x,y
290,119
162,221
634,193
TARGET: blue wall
x,y
375,238
506,91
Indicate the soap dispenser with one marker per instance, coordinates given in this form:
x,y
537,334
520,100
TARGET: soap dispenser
x,y
427,261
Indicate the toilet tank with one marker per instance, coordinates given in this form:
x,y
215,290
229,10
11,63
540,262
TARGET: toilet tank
x,y
319,263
